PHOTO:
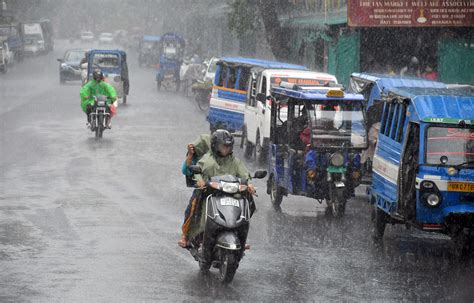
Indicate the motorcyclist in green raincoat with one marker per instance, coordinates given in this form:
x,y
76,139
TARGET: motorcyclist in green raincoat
x,y
95,87
218,161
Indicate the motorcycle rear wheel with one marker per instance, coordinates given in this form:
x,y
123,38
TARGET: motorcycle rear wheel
x,y
228,266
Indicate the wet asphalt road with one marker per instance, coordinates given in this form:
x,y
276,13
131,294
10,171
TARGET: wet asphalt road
x,y
83,220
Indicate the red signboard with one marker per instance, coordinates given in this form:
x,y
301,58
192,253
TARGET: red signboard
x,y
406,13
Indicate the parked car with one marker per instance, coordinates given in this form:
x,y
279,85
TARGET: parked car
x,y
69,68
87,36
106,38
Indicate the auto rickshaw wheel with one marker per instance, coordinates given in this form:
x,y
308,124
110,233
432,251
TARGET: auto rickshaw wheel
x,y
260,151
276,195
379,221
243,137
248,149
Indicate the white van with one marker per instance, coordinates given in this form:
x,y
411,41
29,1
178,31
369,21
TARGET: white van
x,y
256,132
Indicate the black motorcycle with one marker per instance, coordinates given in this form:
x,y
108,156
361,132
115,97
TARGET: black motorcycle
x,y
100,115
226,208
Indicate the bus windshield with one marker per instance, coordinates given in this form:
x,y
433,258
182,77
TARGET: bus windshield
x,y
457,144
338,125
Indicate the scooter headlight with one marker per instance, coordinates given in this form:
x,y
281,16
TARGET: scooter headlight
x,y
337,159
230,188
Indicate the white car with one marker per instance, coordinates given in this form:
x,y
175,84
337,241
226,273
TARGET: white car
x,y
87,36
106,38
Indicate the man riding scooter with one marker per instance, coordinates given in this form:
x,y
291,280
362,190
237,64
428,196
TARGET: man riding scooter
x,y
97,87
219,161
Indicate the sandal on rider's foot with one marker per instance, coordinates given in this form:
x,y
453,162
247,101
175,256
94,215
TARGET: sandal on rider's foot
x,y
247,246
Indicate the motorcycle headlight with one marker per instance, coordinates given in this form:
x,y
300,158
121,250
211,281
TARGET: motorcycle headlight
x,y
337,159
63,65
230,188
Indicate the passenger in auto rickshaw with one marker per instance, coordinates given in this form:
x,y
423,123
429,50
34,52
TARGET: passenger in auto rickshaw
x,y
302,125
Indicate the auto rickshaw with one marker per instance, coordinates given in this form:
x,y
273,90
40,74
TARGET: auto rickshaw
x,y
113,63
171,58
316,136
149,50
373,86
423,170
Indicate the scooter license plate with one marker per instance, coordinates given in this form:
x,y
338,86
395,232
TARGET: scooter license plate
x,y
467,187
227,201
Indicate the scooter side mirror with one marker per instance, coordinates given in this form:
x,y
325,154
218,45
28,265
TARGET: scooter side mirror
x,y
260,174
60,60
195,169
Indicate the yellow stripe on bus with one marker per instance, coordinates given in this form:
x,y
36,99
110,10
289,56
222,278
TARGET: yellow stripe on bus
x,y
229,89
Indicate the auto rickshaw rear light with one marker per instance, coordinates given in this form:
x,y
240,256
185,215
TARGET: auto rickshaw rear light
x,y
335,93
311,174
356,175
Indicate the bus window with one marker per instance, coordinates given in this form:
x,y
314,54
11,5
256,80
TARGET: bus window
x,y
394,125
401,123
222,75
232,78
264,86
244,78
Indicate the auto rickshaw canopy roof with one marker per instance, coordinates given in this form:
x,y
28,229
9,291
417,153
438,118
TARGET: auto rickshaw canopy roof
x,y
261,63
438,104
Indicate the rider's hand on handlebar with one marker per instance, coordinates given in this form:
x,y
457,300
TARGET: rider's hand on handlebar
x,y
190,149
201,183
251,189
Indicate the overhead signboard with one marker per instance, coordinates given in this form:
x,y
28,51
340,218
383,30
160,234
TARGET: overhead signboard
x,y
405,13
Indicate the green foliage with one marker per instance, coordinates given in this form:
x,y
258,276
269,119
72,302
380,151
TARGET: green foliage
x,y
244,17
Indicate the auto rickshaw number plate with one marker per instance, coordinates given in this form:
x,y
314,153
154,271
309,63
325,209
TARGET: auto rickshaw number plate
x,y
230,202
461,186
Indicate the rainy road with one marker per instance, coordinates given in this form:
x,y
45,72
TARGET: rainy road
x,y
97,221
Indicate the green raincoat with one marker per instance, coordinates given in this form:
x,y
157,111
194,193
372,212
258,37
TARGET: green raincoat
x,y
212,166
94,88
217,166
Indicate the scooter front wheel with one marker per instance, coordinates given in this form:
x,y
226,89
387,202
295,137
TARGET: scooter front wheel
x,y
228,266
